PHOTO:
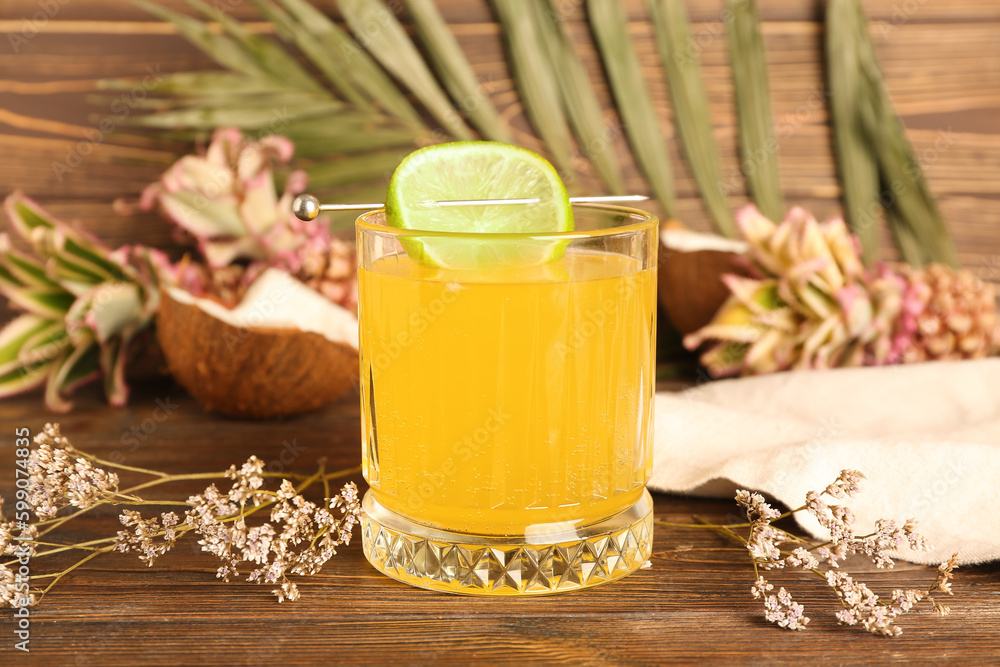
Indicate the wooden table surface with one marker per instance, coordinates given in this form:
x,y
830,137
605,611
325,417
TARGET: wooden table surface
x,y
940,59
692,606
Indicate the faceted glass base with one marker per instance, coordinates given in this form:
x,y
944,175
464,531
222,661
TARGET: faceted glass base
x,y
482,565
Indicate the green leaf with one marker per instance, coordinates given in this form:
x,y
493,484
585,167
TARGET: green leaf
x,y
112,363
25,215
596,139
222,49
536,82
455,72
331,67
377,29
86,368
319,137
249,118
49,302
906,240
15,334
69,370
913,206
850,103
77,259
367,75
8,280
24,378
610,26
109,310
758,146
692,115
24,270
916,222
358,168
198,84
203,217
281,104
45,344
268,55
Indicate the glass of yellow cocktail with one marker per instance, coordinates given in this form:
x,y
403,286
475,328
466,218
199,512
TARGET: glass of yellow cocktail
x,y
507,402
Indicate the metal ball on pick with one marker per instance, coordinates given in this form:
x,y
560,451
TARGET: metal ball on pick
x,y
305,207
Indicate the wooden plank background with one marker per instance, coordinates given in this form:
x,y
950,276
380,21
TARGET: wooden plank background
x,y
941,60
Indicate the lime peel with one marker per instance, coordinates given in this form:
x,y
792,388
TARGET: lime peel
x,y
478,170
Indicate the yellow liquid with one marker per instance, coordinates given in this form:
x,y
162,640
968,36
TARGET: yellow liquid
x,y
503,402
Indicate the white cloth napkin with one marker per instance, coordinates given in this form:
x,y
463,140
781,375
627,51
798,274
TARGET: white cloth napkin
x,y
926,436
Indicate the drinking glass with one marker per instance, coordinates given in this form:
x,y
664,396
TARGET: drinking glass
x,y
507,388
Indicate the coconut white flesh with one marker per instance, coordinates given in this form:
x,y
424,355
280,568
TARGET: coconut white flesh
x,y
684,240
276,300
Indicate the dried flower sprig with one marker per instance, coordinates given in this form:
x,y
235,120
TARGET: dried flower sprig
x,y
298,538
861,606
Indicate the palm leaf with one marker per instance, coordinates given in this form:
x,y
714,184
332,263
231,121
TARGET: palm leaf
x,y
259,96
358,168
205,84
610,26
906,239
221,48
536,82
319,137
208,117
692,114
282,105
268,55
578,97
913,215
379,31
915,206
852,112
455,72
758,146
332,68
365,72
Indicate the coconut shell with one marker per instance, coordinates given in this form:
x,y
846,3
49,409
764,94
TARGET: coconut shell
x,y
252,372
689,284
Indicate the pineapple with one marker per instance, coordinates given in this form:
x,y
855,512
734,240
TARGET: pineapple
x,y
949,315
811,304
227,200
84,304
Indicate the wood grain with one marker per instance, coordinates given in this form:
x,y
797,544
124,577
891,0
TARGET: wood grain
x,y
942,64
691,607
941,61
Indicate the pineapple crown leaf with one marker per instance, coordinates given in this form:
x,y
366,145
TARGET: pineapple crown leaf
x,y
83,304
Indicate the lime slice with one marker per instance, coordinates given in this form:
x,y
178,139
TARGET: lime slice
x,y
477,170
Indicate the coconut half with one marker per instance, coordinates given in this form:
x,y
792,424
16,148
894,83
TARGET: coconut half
x,y
689,275
285,349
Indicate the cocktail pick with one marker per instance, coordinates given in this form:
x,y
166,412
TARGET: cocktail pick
x,y
307,207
